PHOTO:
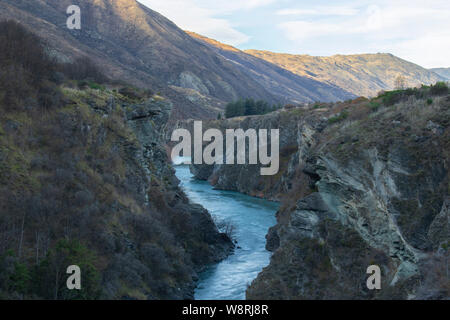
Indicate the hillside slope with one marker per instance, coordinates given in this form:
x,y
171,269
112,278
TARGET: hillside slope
x,y
280,81
132,43
85,180
443,72
360,74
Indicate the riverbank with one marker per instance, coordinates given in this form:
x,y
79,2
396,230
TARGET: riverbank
x,y
251,217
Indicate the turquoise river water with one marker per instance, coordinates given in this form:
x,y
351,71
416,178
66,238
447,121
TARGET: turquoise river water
x,y
252,218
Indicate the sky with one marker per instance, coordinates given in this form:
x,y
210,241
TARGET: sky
x,y
415,30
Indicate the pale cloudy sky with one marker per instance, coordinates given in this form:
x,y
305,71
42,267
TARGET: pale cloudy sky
x,y
415,30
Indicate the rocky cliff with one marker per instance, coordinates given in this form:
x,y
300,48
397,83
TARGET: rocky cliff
x,y
85,180
362,183
112,189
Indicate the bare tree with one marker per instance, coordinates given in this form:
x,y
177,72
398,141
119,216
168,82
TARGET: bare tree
x,y
400,82
226,226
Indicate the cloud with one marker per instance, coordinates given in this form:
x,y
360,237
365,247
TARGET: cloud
x,y
426,50
413,30
206,17
319,11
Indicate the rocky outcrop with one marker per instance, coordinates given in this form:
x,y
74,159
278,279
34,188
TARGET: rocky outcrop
x,y
148,121
247,178
359,187
103,181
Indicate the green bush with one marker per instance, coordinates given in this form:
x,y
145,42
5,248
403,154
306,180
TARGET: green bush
x,y
15,277
50,275
342,116
390,98
96,86
374,106
440,88
248,107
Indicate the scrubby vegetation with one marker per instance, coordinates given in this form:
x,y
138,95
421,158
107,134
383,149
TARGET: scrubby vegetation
x,y
390,98
406,134
29,77
74,191
342,116
248,107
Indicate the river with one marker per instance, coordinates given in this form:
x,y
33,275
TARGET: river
x,y
252,217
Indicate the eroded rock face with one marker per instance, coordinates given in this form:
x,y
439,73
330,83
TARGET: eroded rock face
x,y
354,193
149,121
107,183
438,233
247,178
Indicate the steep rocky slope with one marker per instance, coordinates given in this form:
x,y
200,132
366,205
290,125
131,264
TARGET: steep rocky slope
x,y
132,43
362,74
361,183
85,180
111,189
292,87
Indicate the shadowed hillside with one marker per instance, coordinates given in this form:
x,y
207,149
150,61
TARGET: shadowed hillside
x,y
85,180
135,44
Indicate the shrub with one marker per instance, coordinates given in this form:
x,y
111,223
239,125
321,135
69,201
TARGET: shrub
x,y
374,106
248,107
50,276
96,86
22,48
134,93
225,226
342,116
392,97
440,88
82,69
14,275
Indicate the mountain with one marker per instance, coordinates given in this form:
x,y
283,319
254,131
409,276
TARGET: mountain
x,y
443,72
275,79
361,74
132,43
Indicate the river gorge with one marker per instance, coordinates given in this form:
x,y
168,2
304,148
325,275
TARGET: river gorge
x,y
251,217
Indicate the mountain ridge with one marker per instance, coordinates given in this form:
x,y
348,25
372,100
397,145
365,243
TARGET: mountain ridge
x,y
298,89
135,44
361,74
443,72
